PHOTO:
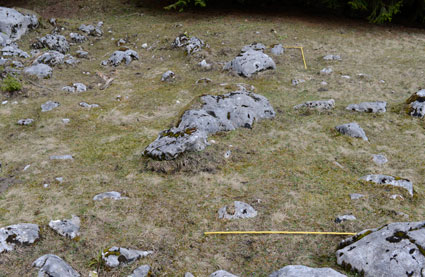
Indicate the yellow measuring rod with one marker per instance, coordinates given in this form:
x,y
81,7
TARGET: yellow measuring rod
x,y
302,52
278,232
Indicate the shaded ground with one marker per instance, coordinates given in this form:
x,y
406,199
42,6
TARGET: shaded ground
x,y
295,170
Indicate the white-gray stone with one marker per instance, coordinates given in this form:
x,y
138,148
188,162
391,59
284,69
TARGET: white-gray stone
x,y
71,60
355,196
395,249
23,233
369,107
389,180
49,105
353,130
114,195
346,217
332,58
14,24
188,274
40,71
76,87
119,256
121,56
55,42
222,273
205,65
26,121
13,51
379,159
77,38
82,54
256,46
67,227
319,105
277,50
50,58
242,210
191,45
416,104
305,271
61,157
296,82
141,271
250,62
91,30
53,266
326,71
168,76
87,105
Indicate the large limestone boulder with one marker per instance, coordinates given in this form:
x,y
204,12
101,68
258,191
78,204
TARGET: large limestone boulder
x,y
14,24
369,107
389,180
250,62
119,57
396,249
23,233
305,271
53,266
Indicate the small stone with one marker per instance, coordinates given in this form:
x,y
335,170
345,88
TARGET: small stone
x,y
323,83
397,196
71,60
52,21
118,256
389,180
346,77
25,122
119,57
332,58
77,38
188,274
222,273
204,81
53,42
61,157
168,76
277,50
326,71
13,51
18,234
82,54
54,266
51,58
66,120
305,271
49,105
59,179
379,159
144,45
109,195
86,105
242,210
347,217
67,227
204,65
296,82
227,154
353,130
76,87
27,167
4,102
141,271
355,196
46,186
254,46
416,104
319,105
368,107
192,44
91,30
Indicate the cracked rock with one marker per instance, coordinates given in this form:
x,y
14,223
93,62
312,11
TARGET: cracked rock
x,y
21,234
40,71
305,271
26,121
141,271
76,87
50,58
49,105
277,50
242,210
118,256
53,42
121,56
53,266
346,217
67,227
416,104
250,62
77,38
191,45
368,107
91,30
222,273
14,24
379,159
395,249
389,180
114,195
168,76
353,130
319,105
332,58
218,113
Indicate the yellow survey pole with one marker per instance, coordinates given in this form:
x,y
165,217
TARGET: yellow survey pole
x,y
302,53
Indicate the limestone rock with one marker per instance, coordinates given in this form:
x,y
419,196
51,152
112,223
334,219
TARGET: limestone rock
x,y
49,105
168,76
91,30
332,58
87,105
242,210
121,56
14,24
379,159
250,62
395,249
141,271
13,51
205,65
353,130
23,233
76,87
188,274
61,157
277,50
326,71
305,271
416,104
40,71
346,217
54,42
218,113
71,60
319,105
191,45
53,266
82,54
114,195
256,46
50,58
355,196
118,256
222,273
67,227
369,107
77,38
296,82
389,180
26,121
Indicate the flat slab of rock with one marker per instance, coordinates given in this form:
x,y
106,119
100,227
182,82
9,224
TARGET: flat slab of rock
x,y
347,217
61,157
14,24
222,273
389,180
118,256
218,113
318,105
395,249
250,62
326,71
54,266
114,195
119,57
353,130
50,58
67,227
305,271
40,71
18,234
82,54
141,271
379,159
242,210
369,107
256,46
191,44
49,105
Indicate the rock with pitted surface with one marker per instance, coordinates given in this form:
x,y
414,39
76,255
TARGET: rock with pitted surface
x,y
353,130
256,46
91,30
119,57
50,58
277,49
250,62
77,38
18,234
305,271
389,180
76,87
332,58
14,24
53,42
395,249
346,217
218,113
67,227
13,51
191,44
242,210
119,256
416,104
53,266
369,107
318,105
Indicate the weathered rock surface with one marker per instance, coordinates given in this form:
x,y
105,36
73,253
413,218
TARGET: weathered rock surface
x,y
191,45
14,24
222,273
61,157
77,38
67,227
305,271
353,130
121,56
205,65
114,195
54,42
250,62
389,180
242,210
416,104
87,105
49,105
346,217
319,105
395,249
141,271
26,121
188,274
40,71
379,159
13,51
218,113
76,87
332,58
50,58
71,60
369,107
118,256
53,266
23,233
168,76
296,82
326,71
91,30
277,50
256,46
82,54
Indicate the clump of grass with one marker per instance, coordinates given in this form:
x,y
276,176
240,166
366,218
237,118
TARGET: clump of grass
x,y
11,84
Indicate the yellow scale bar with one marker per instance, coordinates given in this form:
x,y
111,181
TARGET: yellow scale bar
x,y
302,52
279,232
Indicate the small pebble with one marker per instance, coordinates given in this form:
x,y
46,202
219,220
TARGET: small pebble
x,y
66,120
26,167
46,185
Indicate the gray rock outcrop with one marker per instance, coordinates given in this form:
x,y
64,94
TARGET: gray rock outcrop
x,y
76,87
369,107
77,38
18,234
53,266
190,44
277,49
114,195
256,46
13,51
242,210
389,180
119,57
218,113
395,249
353,130
53,42
141,271
250,62
305,271
67,227
222,273
49,105
119,256
40,71
50,58
168,76
91,30
14,24
416,104
318,105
